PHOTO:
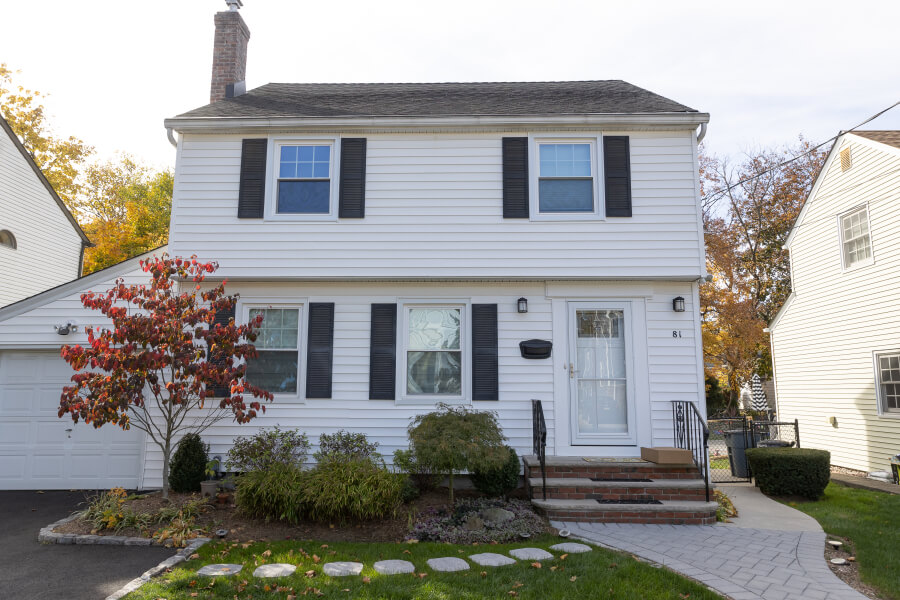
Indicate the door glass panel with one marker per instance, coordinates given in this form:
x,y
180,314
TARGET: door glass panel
x,y
600,372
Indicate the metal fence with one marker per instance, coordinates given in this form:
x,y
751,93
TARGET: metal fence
x,y
729,438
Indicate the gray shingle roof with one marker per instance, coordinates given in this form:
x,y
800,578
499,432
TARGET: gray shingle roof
x,y
440,100
889,137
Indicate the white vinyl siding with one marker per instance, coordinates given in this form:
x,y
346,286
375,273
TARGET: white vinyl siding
x,y
48,249
434,210
825,340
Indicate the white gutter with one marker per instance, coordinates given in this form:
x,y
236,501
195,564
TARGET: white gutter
x,y
702,133
675,120
171,136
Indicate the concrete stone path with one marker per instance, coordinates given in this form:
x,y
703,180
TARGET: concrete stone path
x,y
760,558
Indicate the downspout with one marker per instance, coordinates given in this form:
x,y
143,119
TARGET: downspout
x,y
174,142
700,135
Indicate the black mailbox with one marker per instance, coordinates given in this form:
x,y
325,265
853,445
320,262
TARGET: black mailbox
x,y
536,349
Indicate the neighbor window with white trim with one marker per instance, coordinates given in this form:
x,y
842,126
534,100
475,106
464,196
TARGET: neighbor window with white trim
x,y
304,178
888,371
433,350
277,367
566,175
855,241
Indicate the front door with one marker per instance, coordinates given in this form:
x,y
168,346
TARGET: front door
x,y
600,374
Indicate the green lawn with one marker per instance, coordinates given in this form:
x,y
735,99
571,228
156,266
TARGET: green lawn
x,y
597,574
871,521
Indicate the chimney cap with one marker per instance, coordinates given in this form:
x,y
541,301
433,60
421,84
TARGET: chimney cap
x,y
234,5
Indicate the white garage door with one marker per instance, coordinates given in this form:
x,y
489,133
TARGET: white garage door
x,y
39,450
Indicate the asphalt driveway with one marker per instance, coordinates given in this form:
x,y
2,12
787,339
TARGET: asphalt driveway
x,y
32,571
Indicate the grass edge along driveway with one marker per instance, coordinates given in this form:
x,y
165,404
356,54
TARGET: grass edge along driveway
x,y
871,521
600,573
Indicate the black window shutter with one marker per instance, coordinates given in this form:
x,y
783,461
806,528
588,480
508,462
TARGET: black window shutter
x,y
222,318
617,171
251,197
515,178
383,352
353,179
485,375
320,350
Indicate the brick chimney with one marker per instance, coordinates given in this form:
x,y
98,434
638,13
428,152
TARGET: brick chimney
x,y
229,68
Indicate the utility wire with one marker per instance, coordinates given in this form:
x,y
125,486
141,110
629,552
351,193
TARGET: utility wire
x,y
719,193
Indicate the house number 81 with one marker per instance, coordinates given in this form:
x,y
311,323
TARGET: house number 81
x,y
676,334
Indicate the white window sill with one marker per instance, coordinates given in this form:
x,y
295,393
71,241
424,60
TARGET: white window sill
x,y
570,217
432,401
859,265
890,415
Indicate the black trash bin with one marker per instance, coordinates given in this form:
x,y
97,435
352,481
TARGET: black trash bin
x,y
774,444
736,442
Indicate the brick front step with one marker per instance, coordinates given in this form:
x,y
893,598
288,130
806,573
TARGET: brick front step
x,y
570,488
671,512
582,468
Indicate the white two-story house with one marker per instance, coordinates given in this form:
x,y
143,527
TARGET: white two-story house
x,y
485,244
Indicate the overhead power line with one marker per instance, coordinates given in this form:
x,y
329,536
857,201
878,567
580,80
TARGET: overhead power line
x,y
719,193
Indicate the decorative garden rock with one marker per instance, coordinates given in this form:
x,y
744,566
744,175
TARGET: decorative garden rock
x,y
342,569
447,564
394,567
571,548
274,570
220,569
497,515
474,523
531,554
489,559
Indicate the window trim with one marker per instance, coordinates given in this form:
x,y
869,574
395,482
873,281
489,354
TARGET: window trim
x,y
840,223
465,339
246,304
534,167
879,396
272,165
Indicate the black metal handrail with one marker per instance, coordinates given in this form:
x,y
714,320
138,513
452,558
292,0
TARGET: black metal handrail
x,y
691,433
539,438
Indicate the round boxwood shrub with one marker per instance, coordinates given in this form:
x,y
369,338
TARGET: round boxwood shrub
x,y
790,471
188,466
499,481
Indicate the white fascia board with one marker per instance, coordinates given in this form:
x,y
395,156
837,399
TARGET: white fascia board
x,y
781,311
815,189
605,121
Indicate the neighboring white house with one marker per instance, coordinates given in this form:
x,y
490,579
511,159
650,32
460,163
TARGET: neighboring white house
x,y
836,341
41,244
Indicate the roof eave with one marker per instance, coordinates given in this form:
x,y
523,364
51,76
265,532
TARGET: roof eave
x,y
675,119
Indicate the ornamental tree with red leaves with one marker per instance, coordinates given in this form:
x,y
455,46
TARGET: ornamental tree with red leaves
x,y
166,367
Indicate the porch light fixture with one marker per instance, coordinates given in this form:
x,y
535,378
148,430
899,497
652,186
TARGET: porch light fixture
x,y
66,329
678,304
523,305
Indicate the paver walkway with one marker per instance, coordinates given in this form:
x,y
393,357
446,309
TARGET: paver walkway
x,y
745,561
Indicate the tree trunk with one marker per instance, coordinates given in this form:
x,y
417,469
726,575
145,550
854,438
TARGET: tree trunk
x,y
167,451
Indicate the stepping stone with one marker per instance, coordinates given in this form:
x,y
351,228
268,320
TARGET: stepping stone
x,y
220,569
571,548
447,564
531,554
489,559
342,569
274,570
394,567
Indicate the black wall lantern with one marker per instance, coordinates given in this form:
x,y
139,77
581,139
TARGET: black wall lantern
x,y
523,305
678,304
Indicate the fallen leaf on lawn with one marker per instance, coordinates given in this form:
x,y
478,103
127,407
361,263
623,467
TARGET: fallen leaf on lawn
x,y
563,557
553,568
460,551
282,589
536,565
407,552
684,596
573,578
324,546
484,573
316,559
367,580
194,594
245,546
613,565
512,593
291,597
266,588
311,573
332,552
194,556
193,583
517,585
345,590
267,553
423,575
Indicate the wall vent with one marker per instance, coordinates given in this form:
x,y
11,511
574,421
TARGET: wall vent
x,y
845,159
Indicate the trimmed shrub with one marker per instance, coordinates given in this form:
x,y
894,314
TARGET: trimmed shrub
x,y
790,471
341,489
499,481
188,466
267,448
420,475
275,494
345,445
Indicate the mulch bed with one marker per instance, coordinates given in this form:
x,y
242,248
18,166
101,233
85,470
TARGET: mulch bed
x,y
241,528
848,573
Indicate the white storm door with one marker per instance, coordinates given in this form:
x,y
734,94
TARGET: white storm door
x,y
601,386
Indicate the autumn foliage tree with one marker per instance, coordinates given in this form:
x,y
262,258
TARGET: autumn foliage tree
x,y
748,213
165,366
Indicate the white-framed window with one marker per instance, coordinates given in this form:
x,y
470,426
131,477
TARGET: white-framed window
x,y
303,182
565,176
887,382
434,363
856,242
277,368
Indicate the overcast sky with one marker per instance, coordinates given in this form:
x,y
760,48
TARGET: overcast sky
x,y
765,71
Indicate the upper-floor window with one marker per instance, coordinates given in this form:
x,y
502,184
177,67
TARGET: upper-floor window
x,y
887,371
7,239
856,245
566,177
304,178
277,367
